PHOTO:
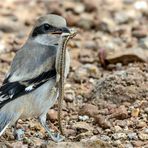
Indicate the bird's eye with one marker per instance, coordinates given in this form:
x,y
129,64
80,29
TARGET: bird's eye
x,y
47,26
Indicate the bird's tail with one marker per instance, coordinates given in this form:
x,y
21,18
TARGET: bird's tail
x,y
4,122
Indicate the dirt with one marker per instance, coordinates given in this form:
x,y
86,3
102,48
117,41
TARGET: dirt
x,y
106,92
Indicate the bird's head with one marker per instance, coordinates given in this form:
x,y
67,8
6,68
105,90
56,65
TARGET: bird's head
x,y
49,28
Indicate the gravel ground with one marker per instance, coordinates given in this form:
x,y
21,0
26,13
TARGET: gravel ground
x,y
106,93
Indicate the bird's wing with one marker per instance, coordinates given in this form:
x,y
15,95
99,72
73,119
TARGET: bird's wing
x,y
27,72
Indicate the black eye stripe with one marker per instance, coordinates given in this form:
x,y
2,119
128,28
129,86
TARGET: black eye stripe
x,y
44,28
48,27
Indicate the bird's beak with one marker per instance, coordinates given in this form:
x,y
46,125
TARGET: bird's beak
x,y
65,31
68,32
61,30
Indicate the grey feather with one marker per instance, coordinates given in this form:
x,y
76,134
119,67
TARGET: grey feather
x,y
41,59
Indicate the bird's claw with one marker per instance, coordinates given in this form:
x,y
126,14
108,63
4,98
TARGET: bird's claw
x,y
57,137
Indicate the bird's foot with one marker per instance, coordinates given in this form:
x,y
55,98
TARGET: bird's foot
x,y
57,137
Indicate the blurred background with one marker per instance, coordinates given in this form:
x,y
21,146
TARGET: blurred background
x,y
109,72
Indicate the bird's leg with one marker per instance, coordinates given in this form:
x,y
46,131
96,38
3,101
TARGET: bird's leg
x,y
18,133
54,136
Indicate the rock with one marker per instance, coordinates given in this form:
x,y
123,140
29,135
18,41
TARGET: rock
x,y
143,43
128,1
70,132
81,74
132,136
2,47
82,126
118,136
18,144
146,130
102,121
90,5
94,138
89,109
83,118
119,66
118,128
52,115
7,57
83,135
8,26
121,17
26,140
140,32
121,86
38,142
143,136
75,7
135,112
139,143
92,70
69,5
141,5
89,144
86,21
126,56
105,138
79,8
141,124
90,45
117,143
86,56
69,95
146,110
71,19
129,145
120,113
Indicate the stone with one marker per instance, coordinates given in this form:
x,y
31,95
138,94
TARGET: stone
x,y
141,124
105,138
120,113
118,136
82,126
141,5
132,136
143,43
52,115
89,110
69,95
83,118
143,136
102,121
135,112
121,17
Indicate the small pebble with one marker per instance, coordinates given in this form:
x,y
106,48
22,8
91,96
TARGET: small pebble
x,y
132,136
105,138
141,124
146,110
146,130
135,112
83,118
143,136
129,145
118,136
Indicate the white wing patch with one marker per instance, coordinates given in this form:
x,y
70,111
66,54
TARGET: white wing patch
x,y
29,88
3,98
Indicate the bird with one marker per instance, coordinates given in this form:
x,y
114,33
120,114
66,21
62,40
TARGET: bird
x,y
29,88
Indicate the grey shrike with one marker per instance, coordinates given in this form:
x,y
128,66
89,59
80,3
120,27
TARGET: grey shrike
x,y
29,87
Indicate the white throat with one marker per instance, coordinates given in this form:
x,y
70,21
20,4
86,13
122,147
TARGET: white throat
x,y
47,39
